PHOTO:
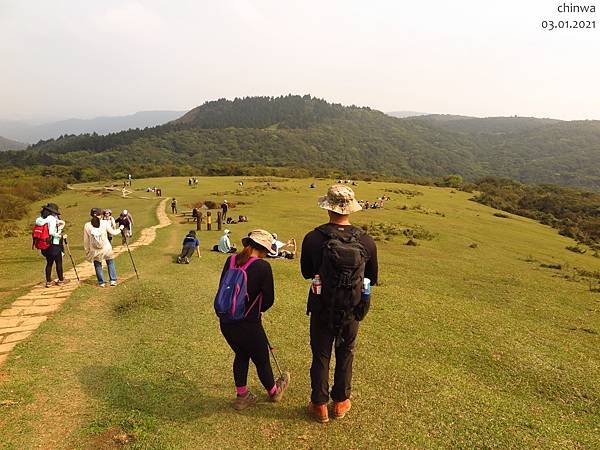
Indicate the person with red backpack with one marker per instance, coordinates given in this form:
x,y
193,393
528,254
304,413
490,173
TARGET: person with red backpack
x,y
246,291
47,237
341,259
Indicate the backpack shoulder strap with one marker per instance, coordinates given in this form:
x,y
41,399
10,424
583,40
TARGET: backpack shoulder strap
x,y
329,231
250,261
232,261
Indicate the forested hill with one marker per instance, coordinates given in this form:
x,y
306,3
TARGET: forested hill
x,y
306,136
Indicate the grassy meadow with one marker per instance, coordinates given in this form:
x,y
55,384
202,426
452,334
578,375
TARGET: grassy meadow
x,y
470,341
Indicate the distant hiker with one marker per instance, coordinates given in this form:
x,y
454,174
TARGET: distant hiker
x,y
126,220
109,221
224,209
191,244
195,214
313,186
97,247
338,257
174,206
189,181
47,238
240,322
242,219
224,245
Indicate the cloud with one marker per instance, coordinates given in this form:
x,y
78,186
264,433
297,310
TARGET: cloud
x,y
131,20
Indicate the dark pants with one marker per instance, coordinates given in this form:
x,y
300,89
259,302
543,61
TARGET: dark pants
x,y
321,342
53,255
249,342
174,209
187,251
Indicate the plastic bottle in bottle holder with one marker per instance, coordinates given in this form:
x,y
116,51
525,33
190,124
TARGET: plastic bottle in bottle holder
x,y
366,289
316,285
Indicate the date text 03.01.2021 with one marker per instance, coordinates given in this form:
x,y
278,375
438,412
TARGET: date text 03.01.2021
x,y
568,25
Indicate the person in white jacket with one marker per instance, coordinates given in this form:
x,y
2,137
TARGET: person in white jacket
x,y
51,216
97,247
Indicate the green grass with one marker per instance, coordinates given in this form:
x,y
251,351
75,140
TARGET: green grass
x,y
464,347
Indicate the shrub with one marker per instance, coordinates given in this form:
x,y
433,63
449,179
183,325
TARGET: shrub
x,y
501,215
576,249
12,207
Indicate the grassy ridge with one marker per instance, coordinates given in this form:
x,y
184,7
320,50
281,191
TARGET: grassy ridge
x,y
464,347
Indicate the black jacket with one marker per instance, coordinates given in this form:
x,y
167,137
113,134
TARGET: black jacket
x,y
310,259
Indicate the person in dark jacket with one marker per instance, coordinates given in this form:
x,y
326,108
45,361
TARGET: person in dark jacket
x,y
339,203
224,209
247,337
191,244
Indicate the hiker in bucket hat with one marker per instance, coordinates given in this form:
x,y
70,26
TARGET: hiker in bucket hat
x,y
340,258
50,217
242,326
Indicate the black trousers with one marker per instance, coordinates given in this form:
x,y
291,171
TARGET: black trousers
x,y
53,255
249,342
321,343
187,251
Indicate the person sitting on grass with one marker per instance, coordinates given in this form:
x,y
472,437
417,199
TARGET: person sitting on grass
x,y
278,248
224,245
246,335
190,244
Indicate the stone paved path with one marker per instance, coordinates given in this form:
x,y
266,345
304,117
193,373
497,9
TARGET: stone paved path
x,y
26,313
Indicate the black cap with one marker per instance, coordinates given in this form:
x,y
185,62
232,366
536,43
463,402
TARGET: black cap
x,y
95,212
52,208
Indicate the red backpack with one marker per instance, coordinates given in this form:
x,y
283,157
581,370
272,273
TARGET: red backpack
x,y
41,237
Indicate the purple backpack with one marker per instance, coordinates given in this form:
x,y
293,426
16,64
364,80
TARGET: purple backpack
x,y
231,298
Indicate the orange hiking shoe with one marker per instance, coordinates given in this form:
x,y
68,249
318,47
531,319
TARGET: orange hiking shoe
x,y
341,408
319,412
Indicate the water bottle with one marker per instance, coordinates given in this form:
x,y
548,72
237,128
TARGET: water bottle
x,y
316,285
366,290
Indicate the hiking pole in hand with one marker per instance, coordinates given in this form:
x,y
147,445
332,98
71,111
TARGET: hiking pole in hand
x,y
70,256
131,256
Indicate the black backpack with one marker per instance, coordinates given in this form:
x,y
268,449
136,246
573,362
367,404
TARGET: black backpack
x,y
343,260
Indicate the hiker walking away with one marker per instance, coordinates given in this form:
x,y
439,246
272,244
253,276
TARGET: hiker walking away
x,y
109,222
224,245
224,209
241,326
126,220
174,206
47,238
190,244
97,247
339,257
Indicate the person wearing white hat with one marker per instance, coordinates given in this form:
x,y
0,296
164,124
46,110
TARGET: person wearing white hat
x,y
224,245
126,220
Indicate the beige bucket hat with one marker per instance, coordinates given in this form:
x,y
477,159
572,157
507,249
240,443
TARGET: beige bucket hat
x,y
339,199
260,237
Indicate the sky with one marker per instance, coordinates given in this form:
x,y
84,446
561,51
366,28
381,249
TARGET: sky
x,y
65,58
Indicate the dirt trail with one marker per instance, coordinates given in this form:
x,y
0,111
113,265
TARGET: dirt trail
x,y
26,313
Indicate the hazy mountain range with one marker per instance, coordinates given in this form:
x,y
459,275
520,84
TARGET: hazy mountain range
x,y
303,135
8,144
31,133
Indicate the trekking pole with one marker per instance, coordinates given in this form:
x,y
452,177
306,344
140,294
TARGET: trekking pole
x,y
71,256
131,256
274,359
